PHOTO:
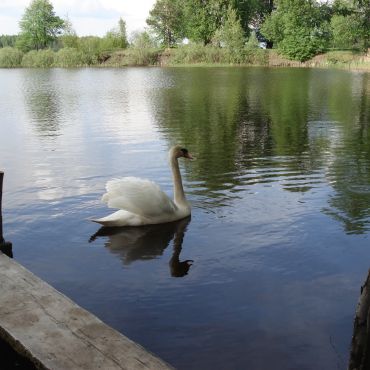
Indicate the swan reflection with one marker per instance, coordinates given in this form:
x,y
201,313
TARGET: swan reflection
x,y
147,242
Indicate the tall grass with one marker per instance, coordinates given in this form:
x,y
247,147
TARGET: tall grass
x,y
71,57
199,54
133,56
10,57
39,59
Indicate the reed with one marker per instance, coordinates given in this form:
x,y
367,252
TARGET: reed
x,y
10,57
71,57
39,59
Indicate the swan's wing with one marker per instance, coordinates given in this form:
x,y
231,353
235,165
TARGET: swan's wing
x,y
139,196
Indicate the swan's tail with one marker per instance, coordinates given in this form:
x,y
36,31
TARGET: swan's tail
x,y
119,218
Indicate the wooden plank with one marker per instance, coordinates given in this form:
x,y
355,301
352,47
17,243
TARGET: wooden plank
x,y
55,333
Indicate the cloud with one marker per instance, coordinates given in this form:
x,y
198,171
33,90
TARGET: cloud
x,y
89,17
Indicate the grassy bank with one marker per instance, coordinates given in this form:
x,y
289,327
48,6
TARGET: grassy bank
x,y
185,55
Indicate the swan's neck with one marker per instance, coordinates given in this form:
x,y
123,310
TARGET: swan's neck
x,y
179,196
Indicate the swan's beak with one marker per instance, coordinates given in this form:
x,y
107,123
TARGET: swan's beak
x,y
189,156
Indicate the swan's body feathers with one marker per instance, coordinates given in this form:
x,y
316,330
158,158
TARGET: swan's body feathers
x,y
138,196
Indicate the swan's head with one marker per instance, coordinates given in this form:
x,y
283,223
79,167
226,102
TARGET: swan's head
x,y
179,151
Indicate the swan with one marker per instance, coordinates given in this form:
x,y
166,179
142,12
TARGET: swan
x,y
142,202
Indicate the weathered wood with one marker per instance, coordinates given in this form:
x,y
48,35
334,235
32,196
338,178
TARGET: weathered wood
x,y
1,207
360,347
5,247
55,333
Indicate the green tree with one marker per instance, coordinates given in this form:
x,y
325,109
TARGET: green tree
x,y
345,30
7,40
252,12
363,10
165,19
39,26
202,18
231,35
116,38
297,28
69,37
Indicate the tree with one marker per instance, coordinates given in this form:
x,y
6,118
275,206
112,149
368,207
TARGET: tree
x,y
39,26
165,19
363,9
345,30
297,28
122,32
231,35
69,37
203,17
252,12
117,37
7,40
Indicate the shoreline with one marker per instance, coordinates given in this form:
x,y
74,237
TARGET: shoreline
x,y
178,57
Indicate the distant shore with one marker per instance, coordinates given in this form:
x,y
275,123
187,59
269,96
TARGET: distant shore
x,y
172,57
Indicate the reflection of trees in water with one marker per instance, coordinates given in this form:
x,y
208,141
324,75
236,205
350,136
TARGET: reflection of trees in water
x,y
349,171
231,117
147,242
289,125
43,103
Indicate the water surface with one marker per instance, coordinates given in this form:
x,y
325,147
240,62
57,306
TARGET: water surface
x,y
267,272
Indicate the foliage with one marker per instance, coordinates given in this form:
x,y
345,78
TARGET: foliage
x,y
345,30
252,42
165,19
231,36
363,8
196,53
10,57
297,29
143,50
252,12
7,40
38,59
217,30
116,38
199,20
91,48
70,57
39,26
69,38
203,18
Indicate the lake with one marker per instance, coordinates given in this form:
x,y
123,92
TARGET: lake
x,y
280,190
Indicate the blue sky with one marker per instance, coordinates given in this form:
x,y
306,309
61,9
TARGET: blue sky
x,y
88,17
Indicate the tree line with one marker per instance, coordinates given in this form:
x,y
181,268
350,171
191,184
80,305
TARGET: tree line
x,y
298,29
225,30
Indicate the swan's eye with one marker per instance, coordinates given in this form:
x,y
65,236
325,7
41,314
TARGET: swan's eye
x,y
184,151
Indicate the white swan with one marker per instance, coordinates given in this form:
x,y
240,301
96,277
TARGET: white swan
x,y
142,202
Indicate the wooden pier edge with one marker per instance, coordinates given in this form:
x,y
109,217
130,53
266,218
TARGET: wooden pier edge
x,y
360,346
53,332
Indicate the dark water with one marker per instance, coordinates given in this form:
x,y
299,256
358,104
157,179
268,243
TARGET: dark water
x,y
279,234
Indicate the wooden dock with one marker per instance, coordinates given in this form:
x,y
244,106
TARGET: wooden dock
x,y
53,332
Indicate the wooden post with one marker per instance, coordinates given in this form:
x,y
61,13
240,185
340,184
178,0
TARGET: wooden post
x,y
5,247
360,346
1,209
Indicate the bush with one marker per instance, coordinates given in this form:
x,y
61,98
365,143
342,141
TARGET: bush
x,y
38,59
198,54
340,57
10,57
70,57
142,57
345,30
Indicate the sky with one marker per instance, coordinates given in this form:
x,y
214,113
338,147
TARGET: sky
x,y
88,17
